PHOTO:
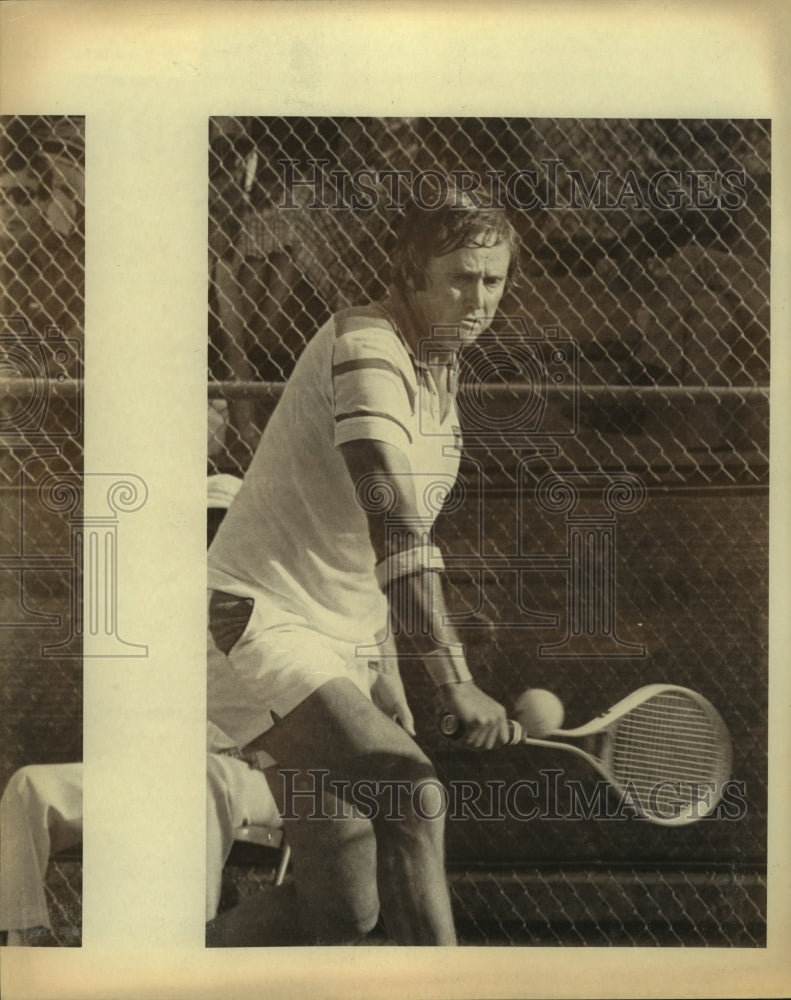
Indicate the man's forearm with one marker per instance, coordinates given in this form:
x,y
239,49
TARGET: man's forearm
x,y
412,581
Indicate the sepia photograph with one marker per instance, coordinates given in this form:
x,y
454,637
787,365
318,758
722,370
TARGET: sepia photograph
x,y
488,408
393,517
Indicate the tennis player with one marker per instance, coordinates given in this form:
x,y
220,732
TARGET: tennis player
x,y
327,550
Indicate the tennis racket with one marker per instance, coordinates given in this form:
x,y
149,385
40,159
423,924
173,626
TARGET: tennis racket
x,y
664,747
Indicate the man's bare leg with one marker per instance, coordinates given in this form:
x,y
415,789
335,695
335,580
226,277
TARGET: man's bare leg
x,y
333,862
338,730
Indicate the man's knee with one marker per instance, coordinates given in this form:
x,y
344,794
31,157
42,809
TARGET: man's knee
x,y
27,788
410,799
408,765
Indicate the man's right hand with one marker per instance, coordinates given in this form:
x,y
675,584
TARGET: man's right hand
x,y
483,723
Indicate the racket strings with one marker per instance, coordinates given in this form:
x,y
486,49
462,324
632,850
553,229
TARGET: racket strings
x,y
671,754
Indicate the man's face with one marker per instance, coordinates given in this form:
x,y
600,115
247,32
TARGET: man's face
x,y
463,289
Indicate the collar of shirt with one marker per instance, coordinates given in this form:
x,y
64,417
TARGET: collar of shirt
x,y
403,316
441,377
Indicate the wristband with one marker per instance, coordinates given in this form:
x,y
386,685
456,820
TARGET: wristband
x,y
408,562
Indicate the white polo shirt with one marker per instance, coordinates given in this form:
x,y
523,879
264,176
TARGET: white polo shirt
x,y
296,533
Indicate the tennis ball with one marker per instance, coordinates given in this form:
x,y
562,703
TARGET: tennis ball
x,y
538,712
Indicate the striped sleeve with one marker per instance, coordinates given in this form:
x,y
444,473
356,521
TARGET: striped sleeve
x,y
373,381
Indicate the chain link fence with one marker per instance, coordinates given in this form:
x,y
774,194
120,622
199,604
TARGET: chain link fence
x,y
42,282
620,397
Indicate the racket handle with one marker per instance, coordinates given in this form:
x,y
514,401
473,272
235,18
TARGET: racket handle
x,y
450,726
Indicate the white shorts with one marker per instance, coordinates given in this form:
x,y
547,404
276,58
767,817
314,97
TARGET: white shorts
x,y
277,660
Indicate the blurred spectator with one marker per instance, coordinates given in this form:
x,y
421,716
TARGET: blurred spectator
x,y
40,814
42,242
